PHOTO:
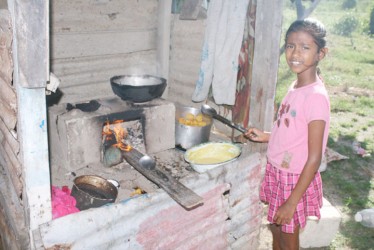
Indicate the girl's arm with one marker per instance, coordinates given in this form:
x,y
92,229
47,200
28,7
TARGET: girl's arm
x,y
257,135
315,140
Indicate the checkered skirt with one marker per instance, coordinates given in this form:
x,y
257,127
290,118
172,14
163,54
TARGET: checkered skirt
x,y
277,186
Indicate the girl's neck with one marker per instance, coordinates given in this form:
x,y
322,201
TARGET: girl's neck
x,y
304,81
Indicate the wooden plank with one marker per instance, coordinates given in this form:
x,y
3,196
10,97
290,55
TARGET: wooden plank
x,y
33,132
111,15
73,71
102,43
31,49
119,62
6,33
7,115
180,193
163,39
9,137
87,78
12,220
8,105
265,66
12,169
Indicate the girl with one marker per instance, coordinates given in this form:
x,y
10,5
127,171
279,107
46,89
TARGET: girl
x,y
292,185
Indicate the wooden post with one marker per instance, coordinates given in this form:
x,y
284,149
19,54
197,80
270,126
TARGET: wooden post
x,y
163,39
31,60
265,66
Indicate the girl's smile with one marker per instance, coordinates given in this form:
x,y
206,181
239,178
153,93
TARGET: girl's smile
x,y
302,56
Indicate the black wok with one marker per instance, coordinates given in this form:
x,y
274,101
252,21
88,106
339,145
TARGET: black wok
x,y
138,88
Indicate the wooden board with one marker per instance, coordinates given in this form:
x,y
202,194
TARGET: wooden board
x,y
180,193
31,43
102,43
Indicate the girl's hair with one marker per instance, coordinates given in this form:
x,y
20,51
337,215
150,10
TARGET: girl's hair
x,y
315,28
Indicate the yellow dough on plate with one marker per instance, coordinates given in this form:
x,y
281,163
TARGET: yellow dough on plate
x,y
212,153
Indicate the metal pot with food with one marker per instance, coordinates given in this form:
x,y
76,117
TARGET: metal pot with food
x,y
191,127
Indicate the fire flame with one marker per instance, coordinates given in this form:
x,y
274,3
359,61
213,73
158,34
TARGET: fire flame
x,y
119,133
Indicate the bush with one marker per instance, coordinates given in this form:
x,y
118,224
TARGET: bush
x,y
371,24
346,25
349,4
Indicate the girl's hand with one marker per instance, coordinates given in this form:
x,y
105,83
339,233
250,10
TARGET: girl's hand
x,y
257,135
284,214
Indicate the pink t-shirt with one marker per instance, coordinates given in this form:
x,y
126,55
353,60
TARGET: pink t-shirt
x,y
288,144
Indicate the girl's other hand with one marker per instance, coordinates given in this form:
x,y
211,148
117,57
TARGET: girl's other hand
x,y
254,134
284,214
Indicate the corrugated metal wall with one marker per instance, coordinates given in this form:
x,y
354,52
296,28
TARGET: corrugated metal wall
x,y
187,37
94,40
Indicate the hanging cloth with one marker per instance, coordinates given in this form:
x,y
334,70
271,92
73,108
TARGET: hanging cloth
x,y
222,44
240,111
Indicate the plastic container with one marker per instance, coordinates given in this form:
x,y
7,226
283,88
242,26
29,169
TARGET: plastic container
x,y
365,217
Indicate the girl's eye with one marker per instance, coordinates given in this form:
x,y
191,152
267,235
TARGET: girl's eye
x,y
289,46
306,47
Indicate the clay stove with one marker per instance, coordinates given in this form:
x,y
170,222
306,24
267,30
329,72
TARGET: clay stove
x,y
76,141
229,217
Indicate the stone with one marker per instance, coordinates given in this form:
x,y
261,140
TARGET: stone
x,y
320,233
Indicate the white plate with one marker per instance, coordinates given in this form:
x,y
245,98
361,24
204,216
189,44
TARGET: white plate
x,y
209,155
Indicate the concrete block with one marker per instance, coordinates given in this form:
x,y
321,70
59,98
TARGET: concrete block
x,y
159,127
76,137
320,233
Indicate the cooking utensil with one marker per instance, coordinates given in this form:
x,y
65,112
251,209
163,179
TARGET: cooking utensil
x,y
177,191
147,162
188,136
90,106
138,88
210,155
206,109
93,191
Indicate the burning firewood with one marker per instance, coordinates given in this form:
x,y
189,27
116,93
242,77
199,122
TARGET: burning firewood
x,y
116,150
113,143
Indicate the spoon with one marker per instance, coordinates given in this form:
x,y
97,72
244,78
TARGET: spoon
x,y
207,110
147,162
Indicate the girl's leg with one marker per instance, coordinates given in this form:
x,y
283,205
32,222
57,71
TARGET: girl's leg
x,y
276,232
290,241
284,241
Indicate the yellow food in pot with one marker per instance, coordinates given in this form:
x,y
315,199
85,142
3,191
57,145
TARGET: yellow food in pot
x,y
191,120
199,117
190,116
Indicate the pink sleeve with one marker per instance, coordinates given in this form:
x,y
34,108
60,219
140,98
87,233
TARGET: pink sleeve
x,y
317,108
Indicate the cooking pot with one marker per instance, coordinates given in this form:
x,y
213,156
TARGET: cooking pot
x,y
93,191
138,88
187,136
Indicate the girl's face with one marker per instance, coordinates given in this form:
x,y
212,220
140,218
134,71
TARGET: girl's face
x,y
302,53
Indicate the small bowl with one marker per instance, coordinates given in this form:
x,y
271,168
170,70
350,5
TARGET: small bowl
x,y
138,88
210,155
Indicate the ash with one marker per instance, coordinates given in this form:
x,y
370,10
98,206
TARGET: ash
x,y
172,161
